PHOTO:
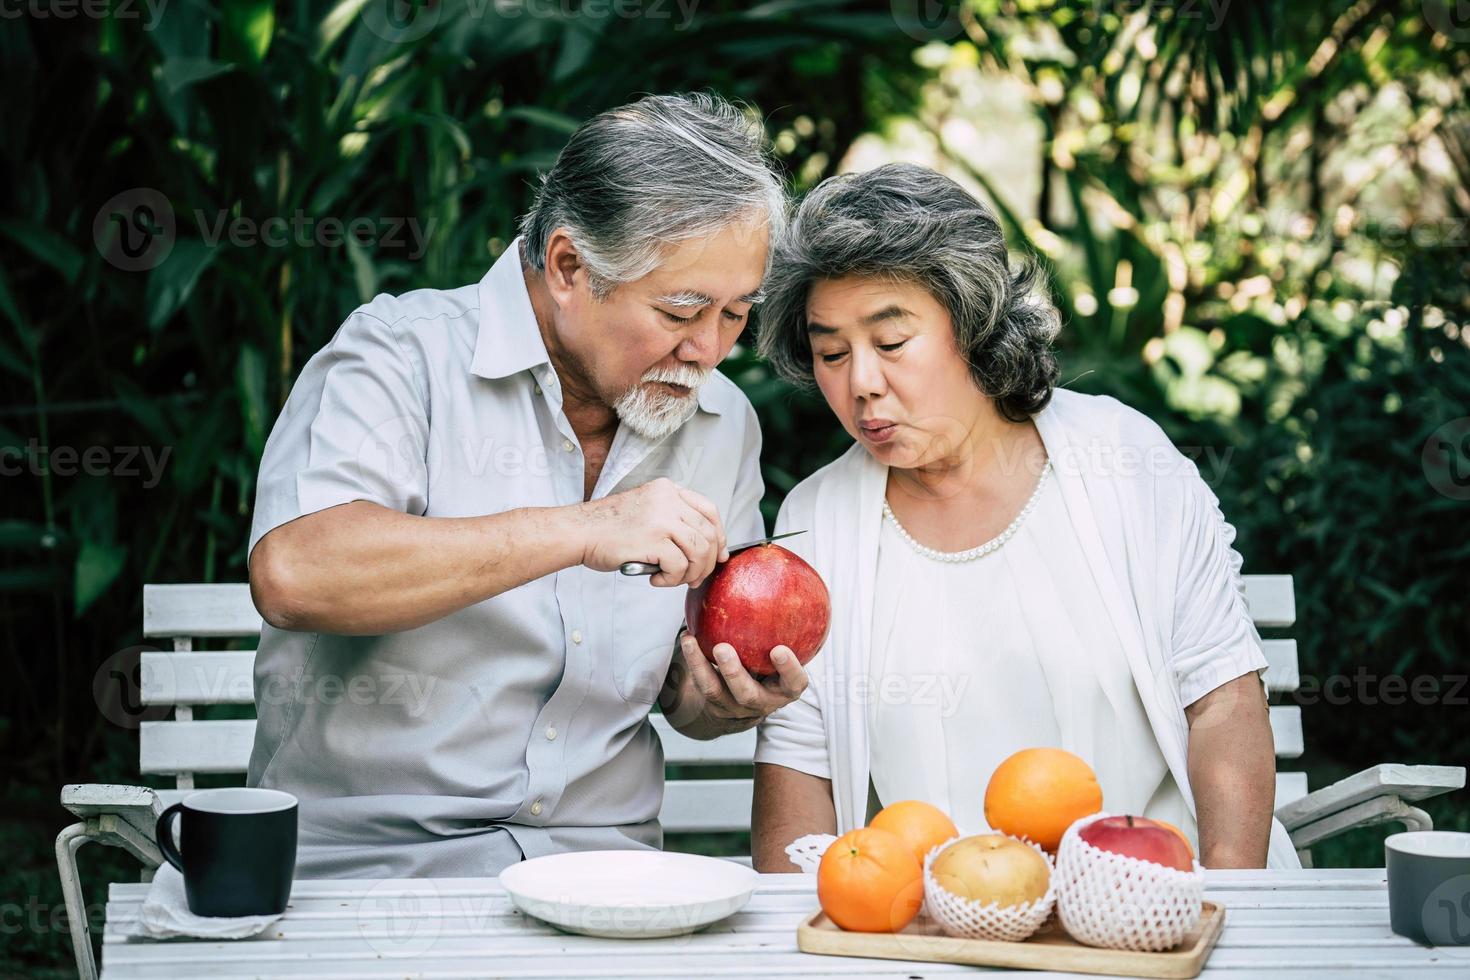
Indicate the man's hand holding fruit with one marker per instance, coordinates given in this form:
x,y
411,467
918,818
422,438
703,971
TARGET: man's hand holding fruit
x,y
753,625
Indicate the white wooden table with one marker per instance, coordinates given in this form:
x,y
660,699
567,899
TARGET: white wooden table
x,y
1323,923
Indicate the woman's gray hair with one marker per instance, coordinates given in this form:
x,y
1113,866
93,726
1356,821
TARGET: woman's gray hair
x,y
912,224
635,180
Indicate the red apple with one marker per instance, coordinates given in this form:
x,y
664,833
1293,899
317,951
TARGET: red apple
x,y
1139,837
763,597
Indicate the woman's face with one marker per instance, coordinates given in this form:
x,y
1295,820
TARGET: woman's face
x,y
884,355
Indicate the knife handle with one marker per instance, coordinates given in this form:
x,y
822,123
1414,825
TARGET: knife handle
x,y
637,568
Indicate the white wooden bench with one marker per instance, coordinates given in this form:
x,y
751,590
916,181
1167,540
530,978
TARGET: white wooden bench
x,y
182,747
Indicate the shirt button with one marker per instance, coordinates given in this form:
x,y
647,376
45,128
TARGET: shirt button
x,y
576,636
536,809
551,733
567,445
538,389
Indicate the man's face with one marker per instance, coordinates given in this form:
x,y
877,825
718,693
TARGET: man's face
x,y
648,345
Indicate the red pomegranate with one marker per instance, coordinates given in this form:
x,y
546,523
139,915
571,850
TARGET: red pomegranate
x,y
761,598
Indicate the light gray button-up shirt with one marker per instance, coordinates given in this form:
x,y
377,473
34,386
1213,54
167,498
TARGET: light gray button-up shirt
x,y
516,727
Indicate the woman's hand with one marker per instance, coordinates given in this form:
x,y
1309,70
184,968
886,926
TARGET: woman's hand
x,y
1232,772
702,700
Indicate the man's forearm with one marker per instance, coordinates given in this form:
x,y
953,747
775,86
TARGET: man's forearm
x,y
362,569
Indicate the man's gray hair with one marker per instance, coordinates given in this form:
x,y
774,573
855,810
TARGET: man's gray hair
x,y
912,224
634,181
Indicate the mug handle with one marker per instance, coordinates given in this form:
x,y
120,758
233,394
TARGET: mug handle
x,y
164,833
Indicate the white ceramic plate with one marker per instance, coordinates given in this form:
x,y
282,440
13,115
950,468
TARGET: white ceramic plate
x,y
629,894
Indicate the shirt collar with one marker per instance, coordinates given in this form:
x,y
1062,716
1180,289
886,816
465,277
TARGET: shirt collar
x,y
509,341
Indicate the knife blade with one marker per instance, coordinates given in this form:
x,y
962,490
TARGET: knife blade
x,y
644,568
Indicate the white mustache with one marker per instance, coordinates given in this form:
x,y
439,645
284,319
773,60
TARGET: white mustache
x,y
685,375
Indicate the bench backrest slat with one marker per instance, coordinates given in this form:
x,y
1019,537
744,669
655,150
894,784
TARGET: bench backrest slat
x,y
186,678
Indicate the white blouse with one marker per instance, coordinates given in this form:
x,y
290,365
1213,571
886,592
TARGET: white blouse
x,y
1148,568
973,661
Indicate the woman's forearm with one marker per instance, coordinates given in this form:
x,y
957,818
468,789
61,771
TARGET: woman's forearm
x,y
788,804
1232,772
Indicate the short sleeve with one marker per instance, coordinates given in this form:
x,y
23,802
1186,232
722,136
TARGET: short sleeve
x,y
795,736
1215,640
355,427
744,521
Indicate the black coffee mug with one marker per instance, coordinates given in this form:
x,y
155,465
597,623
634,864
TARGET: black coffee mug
x,y
236,850
1429,886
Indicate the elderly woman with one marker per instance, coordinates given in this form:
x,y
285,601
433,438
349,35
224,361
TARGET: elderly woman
x,y
1010,565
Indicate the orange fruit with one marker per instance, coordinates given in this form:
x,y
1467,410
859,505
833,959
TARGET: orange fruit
x,y
869,881
922,825
1038,793
1164,823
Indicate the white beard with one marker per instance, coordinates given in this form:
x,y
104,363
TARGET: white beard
x,y
653,414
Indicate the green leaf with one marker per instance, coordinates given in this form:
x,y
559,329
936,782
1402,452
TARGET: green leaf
x,y
21,534
98,565
170,284
184,32
246,27
178,74
557,121
1189,348
250,381
580,40
29,579
455,130
363,271
145,411
47,246
12,361
12,313
335,22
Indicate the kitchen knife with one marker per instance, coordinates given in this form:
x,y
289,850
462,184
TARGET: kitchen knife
x,y
644,568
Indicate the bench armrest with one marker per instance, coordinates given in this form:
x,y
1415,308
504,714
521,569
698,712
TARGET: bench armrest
x,y
1376,795
119,815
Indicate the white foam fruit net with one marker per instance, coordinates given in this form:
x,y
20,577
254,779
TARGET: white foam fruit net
x,y
968,919
1120,902
806,852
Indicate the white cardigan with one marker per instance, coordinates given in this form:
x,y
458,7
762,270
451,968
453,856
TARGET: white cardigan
x,y
1157,545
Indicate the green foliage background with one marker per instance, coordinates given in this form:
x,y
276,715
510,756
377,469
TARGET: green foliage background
x,y
1222,261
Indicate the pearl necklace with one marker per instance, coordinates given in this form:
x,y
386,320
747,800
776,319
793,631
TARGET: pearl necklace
x,y
980,551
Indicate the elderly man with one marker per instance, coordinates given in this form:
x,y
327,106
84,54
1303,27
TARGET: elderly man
x,y
453,675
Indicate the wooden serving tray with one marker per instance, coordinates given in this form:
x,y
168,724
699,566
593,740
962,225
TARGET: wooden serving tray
x,y
1049,949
